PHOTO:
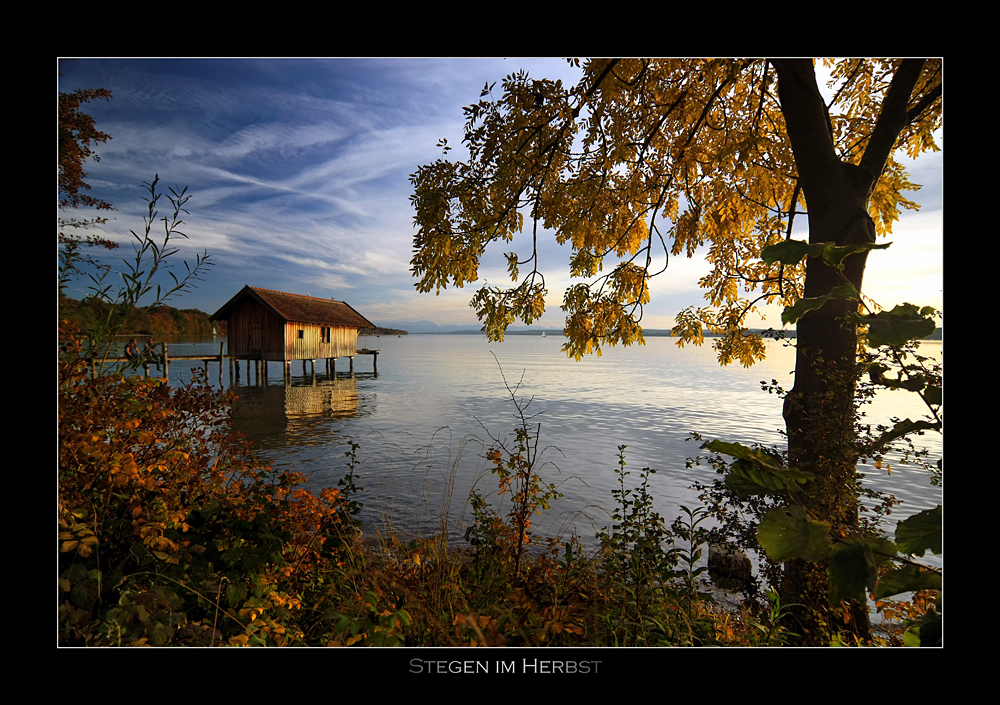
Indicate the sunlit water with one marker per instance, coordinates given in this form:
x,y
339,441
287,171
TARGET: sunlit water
x,y
424,422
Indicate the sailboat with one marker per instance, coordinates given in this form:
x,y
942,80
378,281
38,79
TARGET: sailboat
x,y
543,334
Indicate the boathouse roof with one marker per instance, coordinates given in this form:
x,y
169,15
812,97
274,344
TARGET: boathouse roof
x,y
296,307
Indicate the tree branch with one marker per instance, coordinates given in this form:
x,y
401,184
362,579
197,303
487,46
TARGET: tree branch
x,y
806,119
893,116
925,102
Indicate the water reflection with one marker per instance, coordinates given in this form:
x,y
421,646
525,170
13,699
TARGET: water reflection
x,y
421,422
279,416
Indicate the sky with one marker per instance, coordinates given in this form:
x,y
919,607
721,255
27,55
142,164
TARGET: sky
x,y
298,176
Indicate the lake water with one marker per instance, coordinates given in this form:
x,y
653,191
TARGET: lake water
x,y
424,422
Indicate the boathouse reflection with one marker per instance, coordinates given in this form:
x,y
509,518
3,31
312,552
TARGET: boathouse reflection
x,y
293,414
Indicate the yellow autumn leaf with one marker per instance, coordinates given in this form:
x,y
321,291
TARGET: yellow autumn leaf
x,y
693,149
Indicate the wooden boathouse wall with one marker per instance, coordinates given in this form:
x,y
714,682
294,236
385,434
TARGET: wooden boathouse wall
x,y
253,332
310,341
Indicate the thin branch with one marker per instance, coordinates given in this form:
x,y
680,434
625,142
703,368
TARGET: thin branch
x,y
892,117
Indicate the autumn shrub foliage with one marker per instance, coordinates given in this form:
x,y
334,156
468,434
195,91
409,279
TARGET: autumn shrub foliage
x,y
170,529
172,532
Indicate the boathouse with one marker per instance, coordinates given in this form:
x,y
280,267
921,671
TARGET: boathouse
x,y
268,325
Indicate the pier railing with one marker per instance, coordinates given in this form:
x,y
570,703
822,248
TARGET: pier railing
x,y
163,358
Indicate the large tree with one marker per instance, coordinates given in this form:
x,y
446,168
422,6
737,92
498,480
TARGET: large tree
x,y
647,159
77,138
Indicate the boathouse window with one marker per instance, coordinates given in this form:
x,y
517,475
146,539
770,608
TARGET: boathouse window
x,y
324,334
302,334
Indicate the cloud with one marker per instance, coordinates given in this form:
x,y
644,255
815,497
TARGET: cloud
x,y
298,175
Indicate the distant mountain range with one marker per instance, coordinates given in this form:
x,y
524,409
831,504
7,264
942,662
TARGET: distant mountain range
x,y
426,327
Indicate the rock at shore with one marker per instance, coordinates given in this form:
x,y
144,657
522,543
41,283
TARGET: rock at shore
x,y
729,568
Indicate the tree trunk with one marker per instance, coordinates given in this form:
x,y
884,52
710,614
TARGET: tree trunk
x,y
820,416
819,410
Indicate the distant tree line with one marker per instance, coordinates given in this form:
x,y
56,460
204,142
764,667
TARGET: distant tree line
x,y
381,331
158,321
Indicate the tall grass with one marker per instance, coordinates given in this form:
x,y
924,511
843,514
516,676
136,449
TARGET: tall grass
x,y
501,583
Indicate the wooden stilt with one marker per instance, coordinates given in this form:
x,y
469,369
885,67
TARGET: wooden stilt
x,y
257,375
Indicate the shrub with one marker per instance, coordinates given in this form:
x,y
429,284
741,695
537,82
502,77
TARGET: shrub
x,y
171,530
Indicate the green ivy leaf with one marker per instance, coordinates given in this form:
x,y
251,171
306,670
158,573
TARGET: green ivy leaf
x,y
747,478
925,631
160,635
836,254
789,252
909,578
845,291
803,306
876,373
789,532
904,322
853,568
901,429
757,473
920,532
741,452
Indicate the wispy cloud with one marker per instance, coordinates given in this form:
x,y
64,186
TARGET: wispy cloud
x,y
298,175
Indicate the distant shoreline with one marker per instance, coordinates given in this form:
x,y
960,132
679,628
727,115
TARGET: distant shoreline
x,y
647,332
381,331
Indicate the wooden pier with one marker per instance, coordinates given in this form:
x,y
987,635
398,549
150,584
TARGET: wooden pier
x,y
259,365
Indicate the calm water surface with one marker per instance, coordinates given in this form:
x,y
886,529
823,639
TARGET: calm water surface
x,y
424,422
